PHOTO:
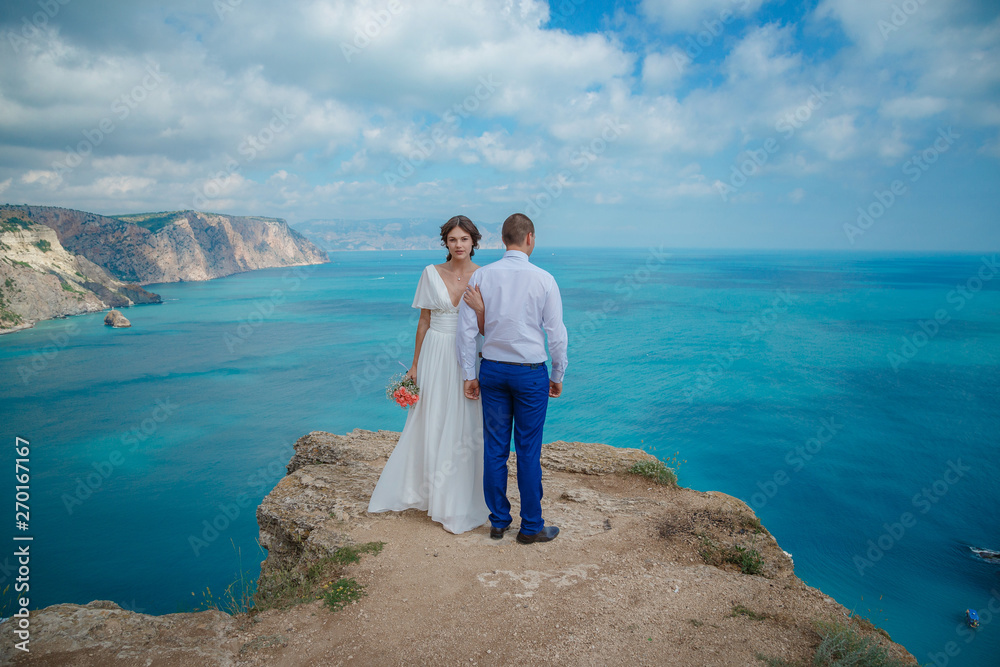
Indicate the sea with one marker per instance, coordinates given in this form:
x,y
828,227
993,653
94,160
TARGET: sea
x,y
851,400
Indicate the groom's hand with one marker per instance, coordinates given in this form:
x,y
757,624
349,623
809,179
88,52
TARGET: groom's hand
x,y
472,389
555,388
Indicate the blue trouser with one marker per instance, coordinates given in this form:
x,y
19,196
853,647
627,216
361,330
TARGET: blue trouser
x,y
513,396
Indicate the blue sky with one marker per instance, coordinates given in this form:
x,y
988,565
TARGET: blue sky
x,y
838,124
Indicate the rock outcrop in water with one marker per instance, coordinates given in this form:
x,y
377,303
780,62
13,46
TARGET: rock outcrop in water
x,y
115,319
56,261
634,578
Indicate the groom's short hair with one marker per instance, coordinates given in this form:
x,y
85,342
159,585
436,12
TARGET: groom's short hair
x,y
516,229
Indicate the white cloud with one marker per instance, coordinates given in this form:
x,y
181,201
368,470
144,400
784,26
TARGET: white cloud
x,y
836,137
662,71
601,199
48,179
765,53
991,147
936,57
114,186
492,148
885,27
691,189
892,146
358,162
913,107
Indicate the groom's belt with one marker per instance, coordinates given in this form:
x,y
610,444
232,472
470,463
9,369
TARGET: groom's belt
x,y
517,363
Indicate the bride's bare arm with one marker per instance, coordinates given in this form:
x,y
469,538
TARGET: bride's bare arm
x,y
474,298
422,326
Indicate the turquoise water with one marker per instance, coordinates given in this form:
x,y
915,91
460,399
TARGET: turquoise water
x,y
770,374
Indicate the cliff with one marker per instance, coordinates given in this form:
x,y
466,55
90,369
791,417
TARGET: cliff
x,y
173,246
40,280
63,262
642,573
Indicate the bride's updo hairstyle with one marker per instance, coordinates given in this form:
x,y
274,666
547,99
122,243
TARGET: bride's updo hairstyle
x,y
467,225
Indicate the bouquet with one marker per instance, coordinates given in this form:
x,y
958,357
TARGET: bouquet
x,y
403,390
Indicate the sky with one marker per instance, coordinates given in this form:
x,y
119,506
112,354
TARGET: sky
x,y
859,125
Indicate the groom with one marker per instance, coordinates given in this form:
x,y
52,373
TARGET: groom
x,y
522,306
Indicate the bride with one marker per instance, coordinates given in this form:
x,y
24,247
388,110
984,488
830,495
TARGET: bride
x,y
437,464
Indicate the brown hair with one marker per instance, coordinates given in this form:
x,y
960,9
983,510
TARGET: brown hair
x,y
467,225
516,229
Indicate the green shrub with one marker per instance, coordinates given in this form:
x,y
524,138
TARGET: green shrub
x,y
843,646
238,596
740,610
13,223
43,245
776,662
748,560
351,553
8,602
154,222
656,471
338,594
323,579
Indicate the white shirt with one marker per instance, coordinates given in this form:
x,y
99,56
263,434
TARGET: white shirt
x,y
522,306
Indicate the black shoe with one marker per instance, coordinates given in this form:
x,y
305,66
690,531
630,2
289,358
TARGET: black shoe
x,y
546,534
497,533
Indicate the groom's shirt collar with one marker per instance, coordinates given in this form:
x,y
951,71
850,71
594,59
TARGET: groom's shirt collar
x,y
516,254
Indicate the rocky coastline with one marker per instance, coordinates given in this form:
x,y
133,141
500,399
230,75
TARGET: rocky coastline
x,y
638,576
57,262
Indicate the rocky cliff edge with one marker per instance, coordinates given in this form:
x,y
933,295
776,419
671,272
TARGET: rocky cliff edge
x,y
635,577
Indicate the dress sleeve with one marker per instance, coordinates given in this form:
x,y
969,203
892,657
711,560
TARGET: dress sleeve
x,y
424,298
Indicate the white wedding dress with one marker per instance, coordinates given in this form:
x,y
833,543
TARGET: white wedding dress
x,y
437,464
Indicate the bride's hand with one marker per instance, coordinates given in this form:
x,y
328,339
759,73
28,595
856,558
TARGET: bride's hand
x,y
474,299
412,374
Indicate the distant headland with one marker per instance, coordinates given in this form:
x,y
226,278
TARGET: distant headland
x,y
387,234
56,262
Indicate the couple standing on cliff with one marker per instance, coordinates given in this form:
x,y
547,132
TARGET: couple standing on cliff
x,y
451,458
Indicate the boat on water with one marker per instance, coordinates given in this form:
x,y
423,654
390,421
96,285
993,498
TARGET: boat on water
x,y
972,618
986,554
